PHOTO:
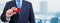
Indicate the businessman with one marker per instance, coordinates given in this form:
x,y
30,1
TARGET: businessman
x,y
25,15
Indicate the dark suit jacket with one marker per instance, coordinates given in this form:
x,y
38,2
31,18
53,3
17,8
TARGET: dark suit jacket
x,y
26,15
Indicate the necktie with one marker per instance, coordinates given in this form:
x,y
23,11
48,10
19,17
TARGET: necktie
x,y
18,4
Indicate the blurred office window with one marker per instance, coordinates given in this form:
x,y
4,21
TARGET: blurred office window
x,y
36,5
45,8
53,6
53,9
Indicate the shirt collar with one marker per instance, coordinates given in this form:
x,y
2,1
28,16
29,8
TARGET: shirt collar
x,y
20,1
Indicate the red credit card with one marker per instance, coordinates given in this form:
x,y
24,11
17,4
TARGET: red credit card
x,y
17,10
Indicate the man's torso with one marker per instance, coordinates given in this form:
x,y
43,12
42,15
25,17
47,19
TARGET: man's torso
x,y
23,17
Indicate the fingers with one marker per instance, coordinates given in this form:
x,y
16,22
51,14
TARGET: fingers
x,y
10,12
13,8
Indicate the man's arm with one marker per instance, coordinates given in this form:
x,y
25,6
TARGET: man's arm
x,y
31,15
3,16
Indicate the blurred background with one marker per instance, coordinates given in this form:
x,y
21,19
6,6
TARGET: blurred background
x,y
45,11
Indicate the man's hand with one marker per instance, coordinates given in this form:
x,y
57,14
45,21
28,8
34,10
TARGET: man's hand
x,y
10,12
